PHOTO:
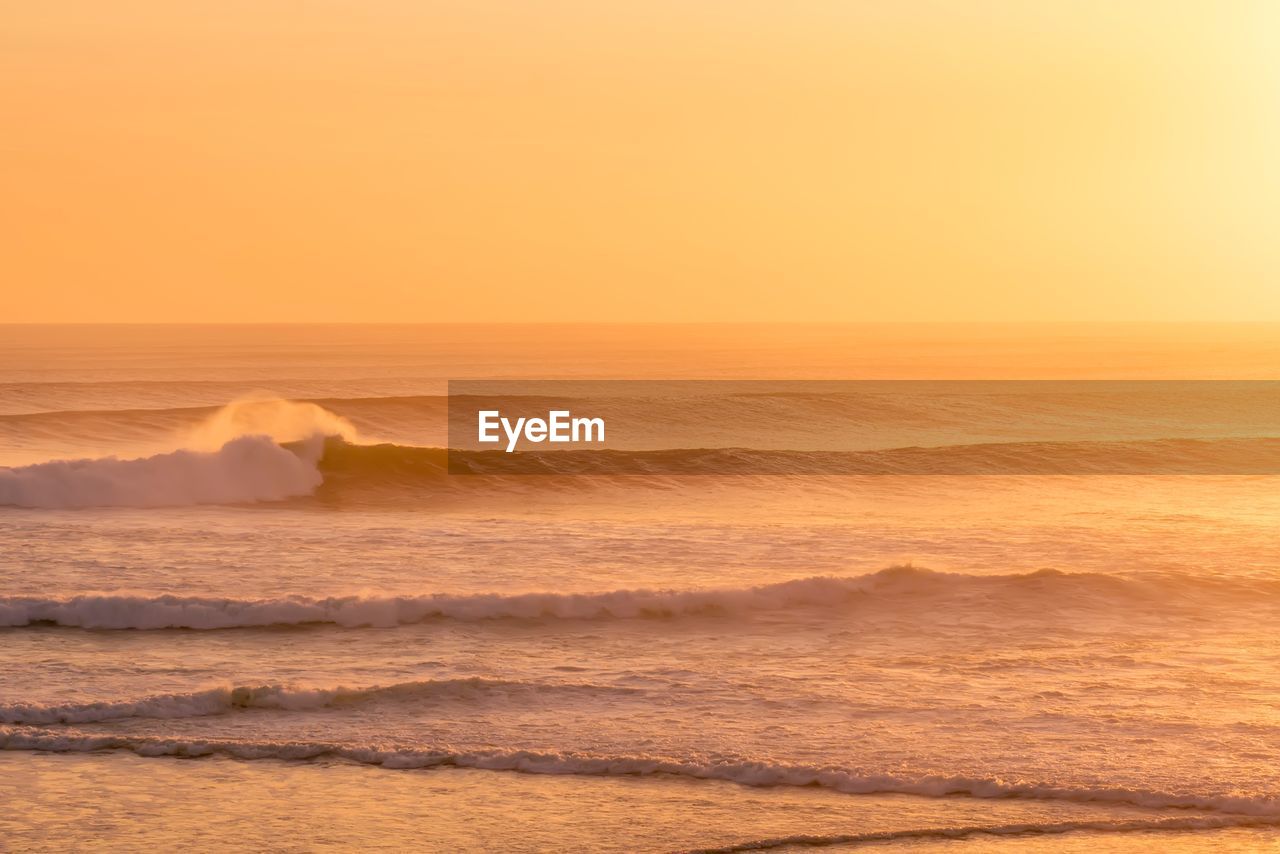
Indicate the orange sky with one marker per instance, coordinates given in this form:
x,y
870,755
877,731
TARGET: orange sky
x,y
414,160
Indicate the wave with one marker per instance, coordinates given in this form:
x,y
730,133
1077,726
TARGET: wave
x,y
224,700
1045,588
1206,822
158,401
247,469
121,611
260,469
258,449
247,451
738,409
345,465
749,773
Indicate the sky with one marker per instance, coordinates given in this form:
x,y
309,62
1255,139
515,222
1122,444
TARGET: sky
x,y
665,160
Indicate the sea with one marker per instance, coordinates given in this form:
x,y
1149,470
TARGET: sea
x,y
246,601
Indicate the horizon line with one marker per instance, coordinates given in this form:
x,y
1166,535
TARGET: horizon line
x,y
1073,322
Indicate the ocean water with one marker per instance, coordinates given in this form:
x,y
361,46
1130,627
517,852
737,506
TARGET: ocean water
x,y
242,602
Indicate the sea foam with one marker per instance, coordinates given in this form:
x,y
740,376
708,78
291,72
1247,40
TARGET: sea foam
x,y
234,456
288,698
1197,822
1044,589
744,772
247,469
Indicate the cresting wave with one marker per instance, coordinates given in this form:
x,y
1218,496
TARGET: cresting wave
x,y
749,773
262,450
785,411
250,468
238,454
225,700
1252,456
1207,822
118,611
257,468
1043,589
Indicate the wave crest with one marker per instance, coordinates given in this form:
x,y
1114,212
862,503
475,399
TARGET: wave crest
x,y
1201,822
749,773
255,450
247,469
122,611
226,699
1042,589
282,421
239,454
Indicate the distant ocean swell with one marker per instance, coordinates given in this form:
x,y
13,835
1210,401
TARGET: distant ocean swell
x,y
254,468
1036,408
750,773
267,450
225,700
1044,589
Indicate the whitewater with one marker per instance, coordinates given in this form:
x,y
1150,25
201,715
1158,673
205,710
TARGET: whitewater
x,y
255,573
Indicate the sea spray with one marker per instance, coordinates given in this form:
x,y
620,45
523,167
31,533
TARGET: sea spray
x,y
247,469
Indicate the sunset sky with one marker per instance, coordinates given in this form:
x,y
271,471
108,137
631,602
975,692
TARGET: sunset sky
x,y
375,160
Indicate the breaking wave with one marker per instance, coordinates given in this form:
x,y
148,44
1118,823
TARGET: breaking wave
x,y
749,773
1256,456
120,611
259,468
1204,822
224,700
247,469
1044,589
236,455
257,450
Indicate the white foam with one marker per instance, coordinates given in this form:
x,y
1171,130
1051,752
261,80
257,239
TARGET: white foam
x,y
123,611
250,468
225,699
908,584
234,456
747,773
1200,822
